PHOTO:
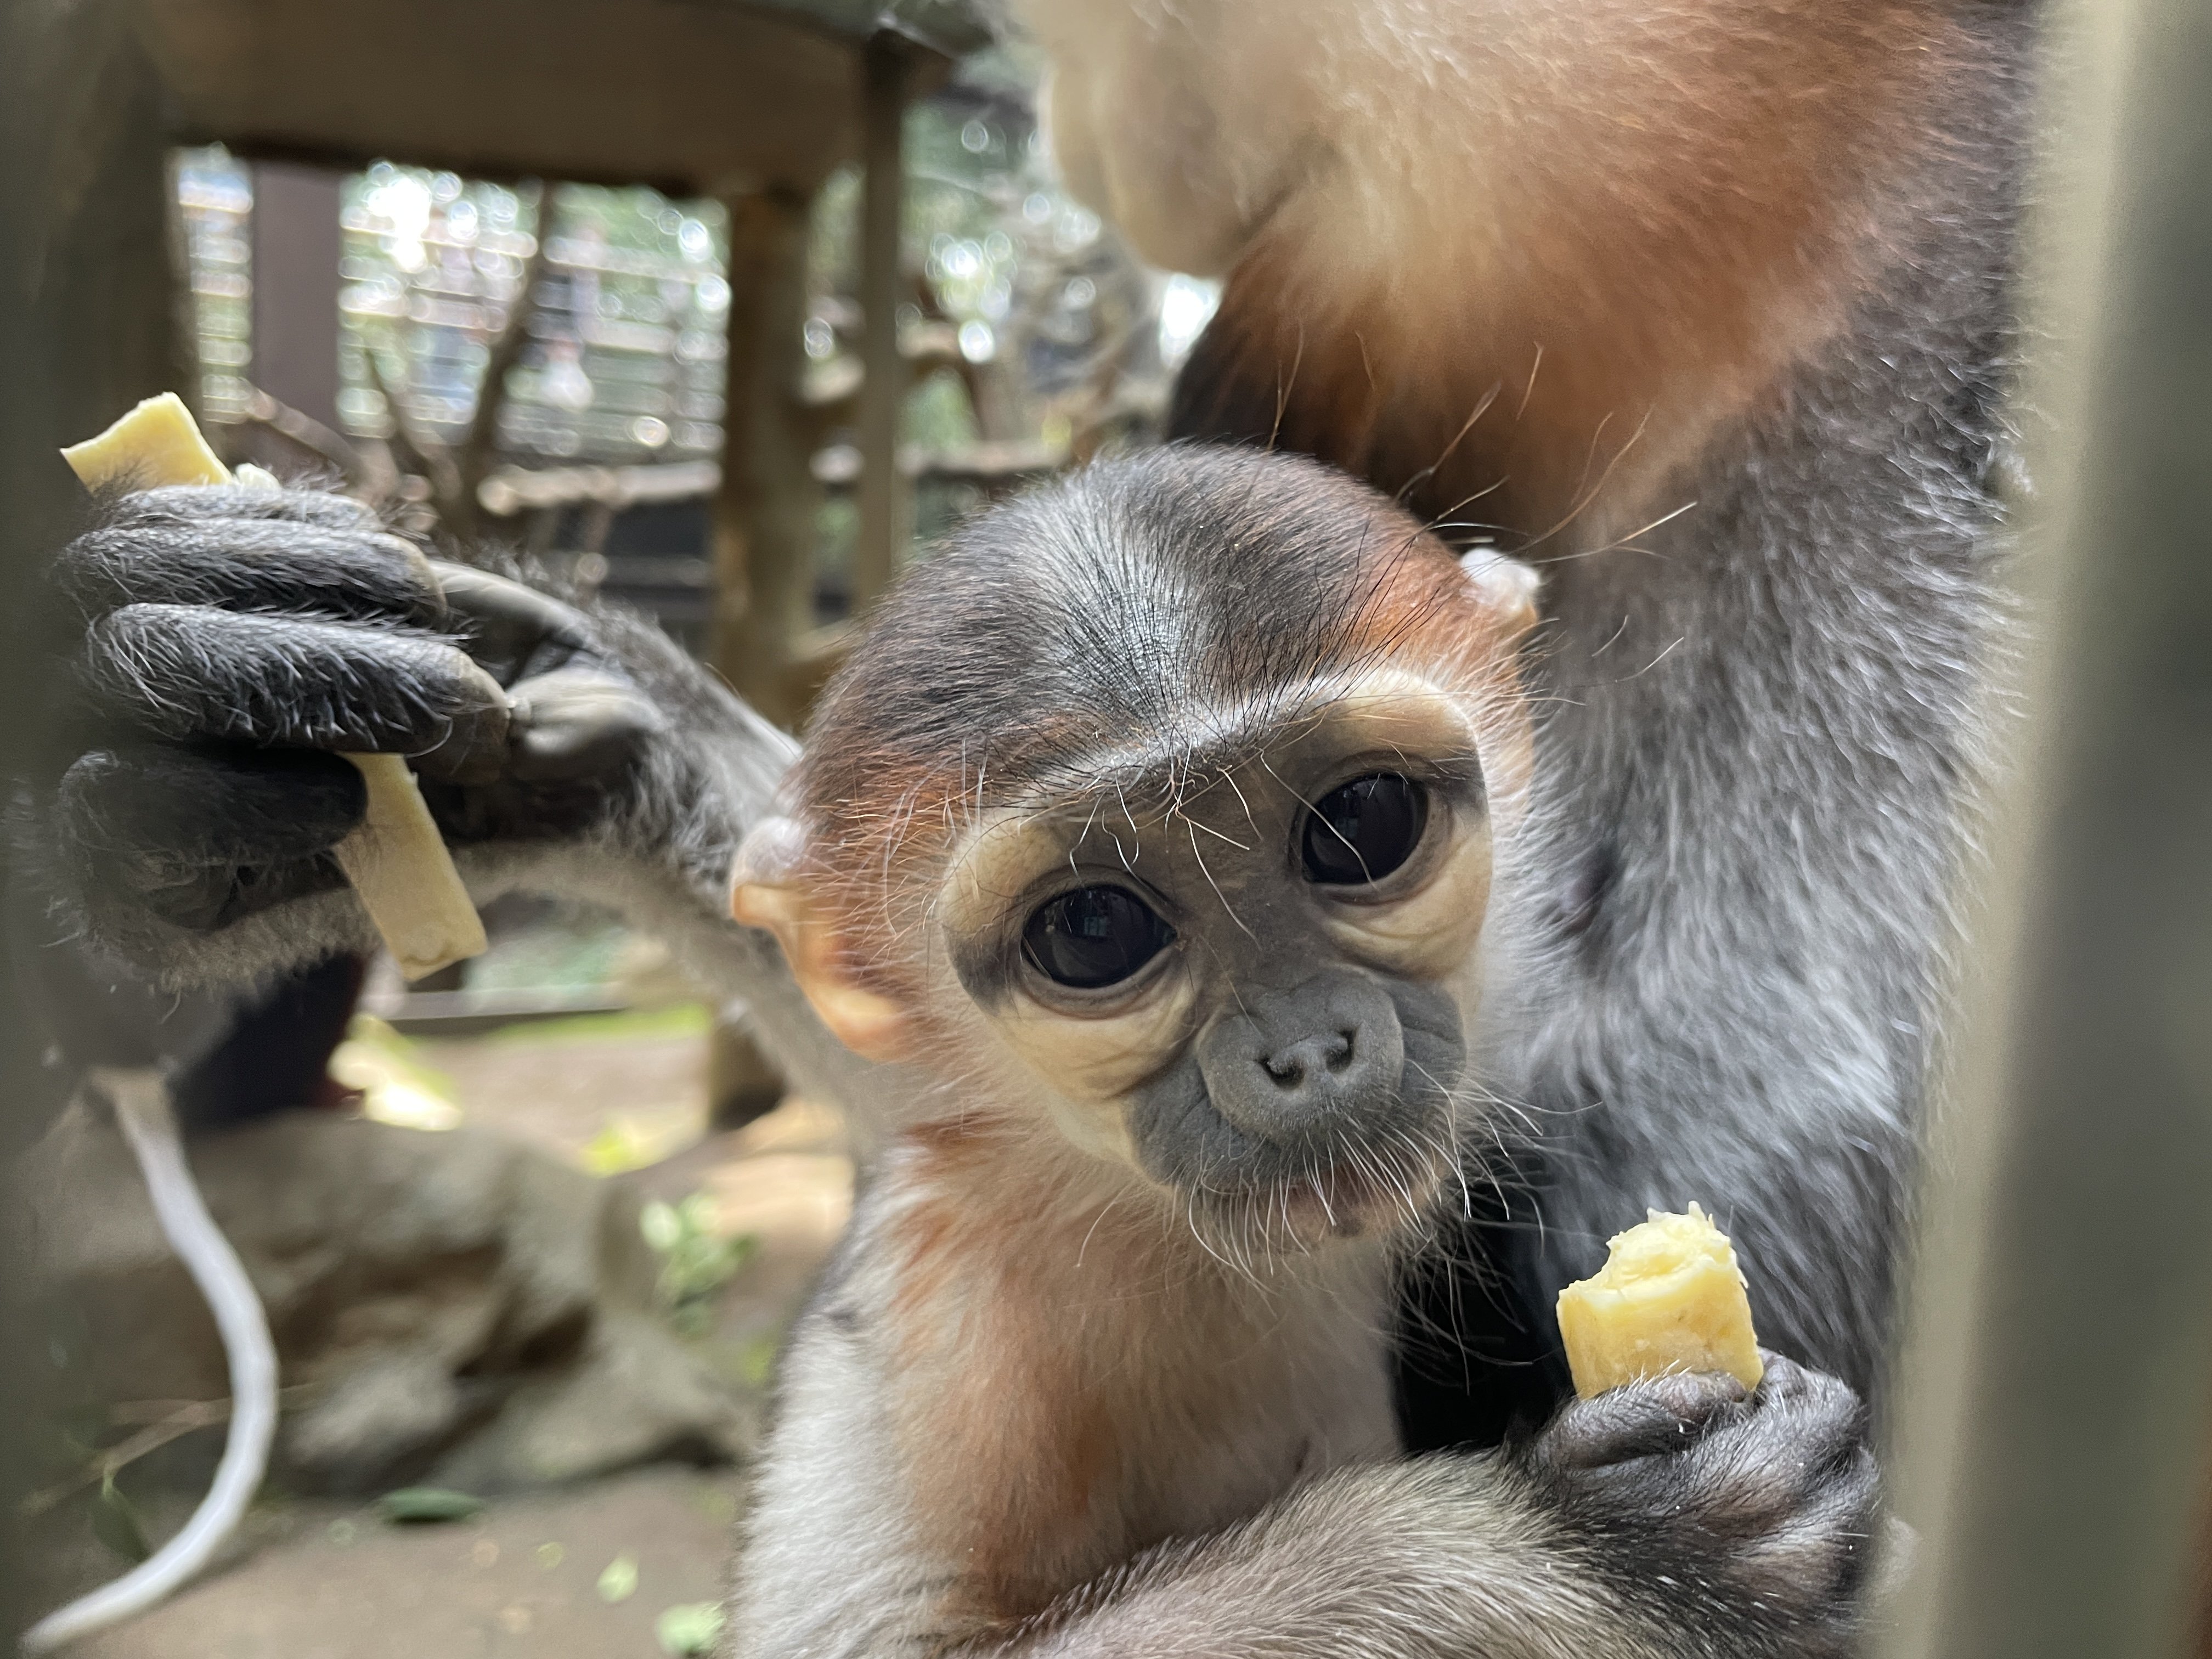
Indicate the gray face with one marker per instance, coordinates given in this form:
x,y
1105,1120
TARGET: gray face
x,y
1300,1083
1258,975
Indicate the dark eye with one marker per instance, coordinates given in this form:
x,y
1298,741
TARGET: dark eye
x,y
1093,936
1362,830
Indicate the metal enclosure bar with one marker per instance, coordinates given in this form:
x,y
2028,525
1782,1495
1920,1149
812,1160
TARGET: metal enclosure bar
x,y
2056,1392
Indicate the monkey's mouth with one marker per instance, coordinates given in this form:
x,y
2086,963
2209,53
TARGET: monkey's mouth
x,y
1354,1189
1376,1164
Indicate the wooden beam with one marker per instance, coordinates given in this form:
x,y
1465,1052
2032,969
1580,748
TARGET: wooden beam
x,y
695,97
886,80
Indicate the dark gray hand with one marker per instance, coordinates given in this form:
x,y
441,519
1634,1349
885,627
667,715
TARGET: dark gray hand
x,y
235,642
1761,1508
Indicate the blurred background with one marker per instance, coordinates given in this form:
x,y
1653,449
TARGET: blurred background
x,y
721,312
723,309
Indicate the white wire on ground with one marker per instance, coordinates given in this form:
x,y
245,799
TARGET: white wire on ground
x,y
142,1105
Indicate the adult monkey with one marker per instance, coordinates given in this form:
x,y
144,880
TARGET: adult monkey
x,y
1704,310
1770,240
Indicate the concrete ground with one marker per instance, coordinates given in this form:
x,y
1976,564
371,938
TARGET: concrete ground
x,y
322,1579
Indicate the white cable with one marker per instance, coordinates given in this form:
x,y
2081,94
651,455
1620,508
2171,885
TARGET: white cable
x,y
142,1105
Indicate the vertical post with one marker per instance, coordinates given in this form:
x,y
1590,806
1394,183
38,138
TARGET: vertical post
x,y
100,305
886,76
88,326
764,530
297,248
2056,1394
764,517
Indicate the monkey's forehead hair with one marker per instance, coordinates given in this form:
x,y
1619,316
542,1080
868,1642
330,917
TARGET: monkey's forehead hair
x,y
1117,612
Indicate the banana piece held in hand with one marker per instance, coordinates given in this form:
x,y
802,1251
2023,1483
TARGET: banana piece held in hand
x,y
395,859
1670,1297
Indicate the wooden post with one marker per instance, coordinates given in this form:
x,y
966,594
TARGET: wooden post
x,y
2057,1393
887,77
764,517
764,530
88,326
297,248
93,288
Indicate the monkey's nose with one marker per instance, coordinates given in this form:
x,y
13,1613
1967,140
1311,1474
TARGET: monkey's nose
x,y
1321,1056
1331,1053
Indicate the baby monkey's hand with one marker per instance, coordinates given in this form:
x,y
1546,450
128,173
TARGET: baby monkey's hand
x,y
1763,1503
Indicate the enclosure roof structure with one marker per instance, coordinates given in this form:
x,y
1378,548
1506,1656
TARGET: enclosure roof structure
x,y
693,96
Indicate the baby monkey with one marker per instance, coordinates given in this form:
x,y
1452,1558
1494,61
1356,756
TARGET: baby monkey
x,y
1155,824
1155,821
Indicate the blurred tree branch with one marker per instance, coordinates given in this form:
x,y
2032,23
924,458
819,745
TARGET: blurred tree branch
x,y
455,472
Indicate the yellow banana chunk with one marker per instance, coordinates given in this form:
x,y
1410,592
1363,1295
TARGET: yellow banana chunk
x,y
156,443
396,859
1669,1299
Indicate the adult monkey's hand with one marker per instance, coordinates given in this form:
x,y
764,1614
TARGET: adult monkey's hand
x,y
226,644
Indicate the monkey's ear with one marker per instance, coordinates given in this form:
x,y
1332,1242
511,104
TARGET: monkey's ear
x,y
767,889
1507,585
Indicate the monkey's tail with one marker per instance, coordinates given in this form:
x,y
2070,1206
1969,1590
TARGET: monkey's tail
x,y
141,1099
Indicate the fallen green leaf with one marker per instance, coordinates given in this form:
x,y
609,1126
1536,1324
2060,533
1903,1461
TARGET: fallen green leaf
x,y
618,1582
418,1505
687,1628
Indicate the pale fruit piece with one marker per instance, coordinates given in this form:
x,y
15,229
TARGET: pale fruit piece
x,y
399,866
1669,1299
396,860
156,443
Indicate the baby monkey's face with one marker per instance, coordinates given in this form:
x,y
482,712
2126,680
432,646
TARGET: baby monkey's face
x,y
1155,814
1247,973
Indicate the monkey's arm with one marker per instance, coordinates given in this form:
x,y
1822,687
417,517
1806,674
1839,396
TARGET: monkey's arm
x,y
230,643
1667,1519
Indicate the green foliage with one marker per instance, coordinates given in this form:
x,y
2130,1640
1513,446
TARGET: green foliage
x,y
618,1578
689,1627
577,949
695,1261
937,414
427,1505
624,363
756,1358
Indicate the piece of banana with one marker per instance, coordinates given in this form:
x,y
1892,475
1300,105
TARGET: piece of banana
x,y
1670,1297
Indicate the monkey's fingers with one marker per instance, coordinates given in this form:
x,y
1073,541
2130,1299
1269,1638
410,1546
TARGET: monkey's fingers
x,y
211,808
1651,1417
175,502
514,631
188,673
580,723
201,838
251,564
